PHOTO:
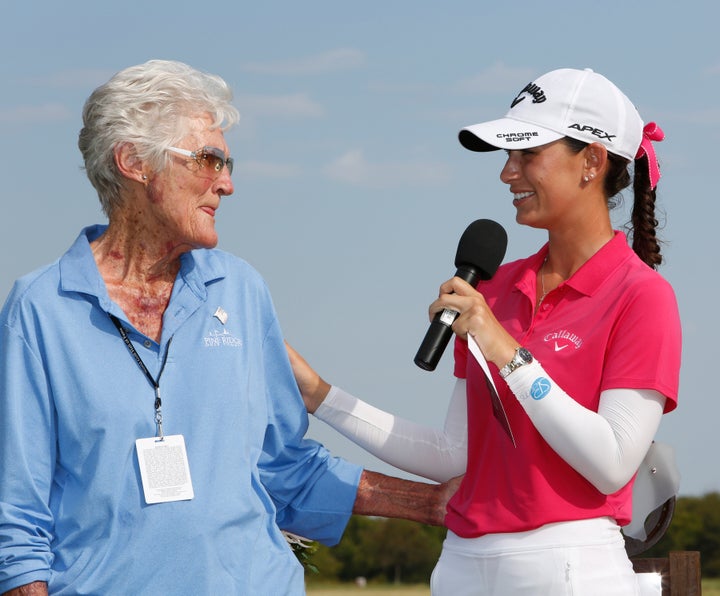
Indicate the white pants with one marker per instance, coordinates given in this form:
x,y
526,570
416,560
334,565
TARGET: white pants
x,y
579,558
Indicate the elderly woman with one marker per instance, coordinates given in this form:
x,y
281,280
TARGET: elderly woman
x,y
152,429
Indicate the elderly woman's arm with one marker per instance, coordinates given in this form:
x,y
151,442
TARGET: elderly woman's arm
x,y
386,496
33,589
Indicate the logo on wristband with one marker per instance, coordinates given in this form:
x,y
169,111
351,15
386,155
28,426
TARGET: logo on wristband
x,y
540,388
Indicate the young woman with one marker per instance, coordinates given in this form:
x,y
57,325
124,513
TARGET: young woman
x,y
583,340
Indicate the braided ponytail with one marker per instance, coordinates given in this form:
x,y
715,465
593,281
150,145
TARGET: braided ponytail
x,y
643,222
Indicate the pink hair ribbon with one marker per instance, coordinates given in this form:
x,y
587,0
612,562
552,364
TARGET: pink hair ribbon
x,y
651,132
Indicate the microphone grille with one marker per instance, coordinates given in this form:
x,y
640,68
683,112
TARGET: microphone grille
x,y
482,246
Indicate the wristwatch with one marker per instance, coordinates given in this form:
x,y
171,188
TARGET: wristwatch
x,y
521,358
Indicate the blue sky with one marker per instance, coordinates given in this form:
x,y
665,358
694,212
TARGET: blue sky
x,y
351,190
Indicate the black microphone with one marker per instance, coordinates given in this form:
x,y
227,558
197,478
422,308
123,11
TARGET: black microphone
x,y
480,251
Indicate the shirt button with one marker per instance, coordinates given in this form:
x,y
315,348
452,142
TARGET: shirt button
x,y
147,343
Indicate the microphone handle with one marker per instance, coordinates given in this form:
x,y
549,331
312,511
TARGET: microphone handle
x,y
440,331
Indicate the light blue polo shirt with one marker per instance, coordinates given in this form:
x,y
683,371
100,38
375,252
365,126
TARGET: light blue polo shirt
x,y
73,401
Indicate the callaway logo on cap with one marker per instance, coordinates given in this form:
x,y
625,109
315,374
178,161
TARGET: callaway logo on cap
x,y
581,104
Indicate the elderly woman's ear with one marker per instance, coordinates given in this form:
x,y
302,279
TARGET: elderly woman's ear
x,y
129,164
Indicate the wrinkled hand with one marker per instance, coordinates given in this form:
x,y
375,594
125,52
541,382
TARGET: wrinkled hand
x,y
475,319
313,387
446,491
388,496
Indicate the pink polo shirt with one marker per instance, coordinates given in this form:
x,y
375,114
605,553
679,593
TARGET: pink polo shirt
x,y
613,324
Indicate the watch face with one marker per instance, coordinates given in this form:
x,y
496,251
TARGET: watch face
x,y
525,355
522,356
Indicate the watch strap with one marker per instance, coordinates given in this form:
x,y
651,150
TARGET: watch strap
x,y
517,361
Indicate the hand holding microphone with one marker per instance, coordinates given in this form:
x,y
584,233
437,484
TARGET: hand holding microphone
x,y
480,251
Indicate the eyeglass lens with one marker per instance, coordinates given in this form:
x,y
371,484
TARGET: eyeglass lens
x,y
215,159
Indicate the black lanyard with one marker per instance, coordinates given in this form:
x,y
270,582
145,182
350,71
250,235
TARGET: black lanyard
x,y
154,382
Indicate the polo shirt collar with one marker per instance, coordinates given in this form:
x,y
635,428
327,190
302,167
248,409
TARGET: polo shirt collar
x,y
79,272
590,276
593,273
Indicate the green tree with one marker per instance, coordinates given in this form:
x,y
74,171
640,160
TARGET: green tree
x,y
380,550
399,550
695,526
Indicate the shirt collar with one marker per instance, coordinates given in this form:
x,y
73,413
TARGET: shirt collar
x,y
79,272
591,274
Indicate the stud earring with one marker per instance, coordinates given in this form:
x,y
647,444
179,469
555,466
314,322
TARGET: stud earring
x,y
586,179
144,177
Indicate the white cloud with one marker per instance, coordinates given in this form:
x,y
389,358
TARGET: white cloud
x,y
286,106
331,61
49,112
69,79
713,70
260,169
353,168
497,78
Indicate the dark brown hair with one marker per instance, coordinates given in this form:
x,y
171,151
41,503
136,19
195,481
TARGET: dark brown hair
x,y
643,223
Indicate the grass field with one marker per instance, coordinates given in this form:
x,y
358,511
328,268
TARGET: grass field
x,y
710,587
370,590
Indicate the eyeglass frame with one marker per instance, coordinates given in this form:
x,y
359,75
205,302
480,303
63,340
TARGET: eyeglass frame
x,y
199,154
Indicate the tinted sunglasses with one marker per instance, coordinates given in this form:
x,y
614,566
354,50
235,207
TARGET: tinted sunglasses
x,y
207,157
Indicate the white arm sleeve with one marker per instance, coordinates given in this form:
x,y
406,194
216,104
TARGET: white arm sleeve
x,y
606,447
422,450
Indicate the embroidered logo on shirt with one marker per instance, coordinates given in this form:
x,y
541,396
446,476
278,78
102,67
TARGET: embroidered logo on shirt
x,y
216,339
563,339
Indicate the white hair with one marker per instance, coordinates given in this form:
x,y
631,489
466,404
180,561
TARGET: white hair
x,y
150,106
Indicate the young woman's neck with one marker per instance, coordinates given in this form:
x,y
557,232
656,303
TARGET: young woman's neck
x,y
570,248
